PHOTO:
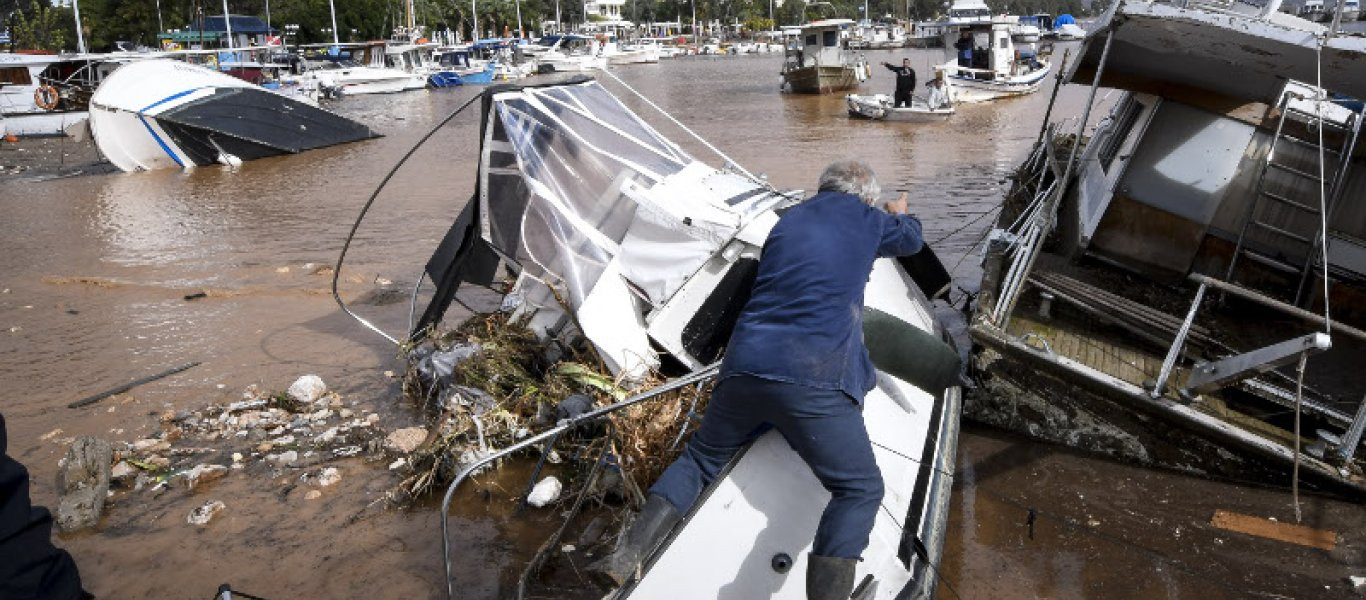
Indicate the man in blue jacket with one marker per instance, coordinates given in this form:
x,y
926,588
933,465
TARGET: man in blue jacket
x,y
796,363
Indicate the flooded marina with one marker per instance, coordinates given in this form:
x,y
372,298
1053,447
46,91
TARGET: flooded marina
x,y
103,281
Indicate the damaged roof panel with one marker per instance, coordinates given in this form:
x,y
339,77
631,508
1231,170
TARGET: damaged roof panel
x,y
1157,45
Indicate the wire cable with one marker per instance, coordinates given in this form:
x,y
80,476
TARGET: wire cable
x,y
336,272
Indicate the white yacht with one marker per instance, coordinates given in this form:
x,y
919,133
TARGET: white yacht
x,y
44,94
361,69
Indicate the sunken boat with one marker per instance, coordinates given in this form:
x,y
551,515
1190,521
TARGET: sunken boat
x,y
1183,286
159,114
587,224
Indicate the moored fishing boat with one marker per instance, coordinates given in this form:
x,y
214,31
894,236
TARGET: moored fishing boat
x,y
1162,293
157,114
614,235
985,64
819,63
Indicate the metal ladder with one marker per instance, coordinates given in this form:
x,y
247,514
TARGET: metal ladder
x,y
1297,103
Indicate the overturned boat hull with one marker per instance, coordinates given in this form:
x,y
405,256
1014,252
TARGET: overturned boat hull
x,y
164,114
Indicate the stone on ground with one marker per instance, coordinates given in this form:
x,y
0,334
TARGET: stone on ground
x,y
83,481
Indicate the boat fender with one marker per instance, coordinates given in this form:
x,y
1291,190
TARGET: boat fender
x,y
46,97
909,353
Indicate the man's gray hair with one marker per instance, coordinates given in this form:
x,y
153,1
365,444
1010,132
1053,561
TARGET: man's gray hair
x,y
851,177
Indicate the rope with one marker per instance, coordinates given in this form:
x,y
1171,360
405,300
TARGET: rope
x,y
979,217
1319,99
1295,471
336,272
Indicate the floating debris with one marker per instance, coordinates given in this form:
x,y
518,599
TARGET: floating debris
x,y
546,491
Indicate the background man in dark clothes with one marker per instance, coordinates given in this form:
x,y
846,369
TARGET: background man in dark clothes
x,y
796,363
31,568
964,48
905,82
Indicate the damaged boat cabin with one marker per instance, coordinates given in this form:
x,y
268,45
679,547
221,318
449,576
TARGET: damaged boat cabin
x,y
1184,286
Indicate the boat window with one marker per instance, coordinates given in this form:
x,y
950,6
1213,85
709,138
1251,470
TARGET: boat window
x,y
832,38
1005,41
15,75
1125,115
811,40
708,332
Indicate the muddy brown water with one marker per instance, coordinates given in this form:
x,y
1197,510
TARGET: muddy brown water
x,y
94,271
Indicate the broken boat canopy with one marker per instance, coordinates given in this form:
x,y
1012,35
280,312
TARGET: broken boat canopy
x,y
577,192
1158,45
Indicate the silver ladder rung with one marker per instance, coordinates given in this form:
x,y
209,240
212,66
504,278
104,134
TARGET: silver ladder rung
x,y
1272,262
1294,171
1288,202
1313,117
1283,232
1309,144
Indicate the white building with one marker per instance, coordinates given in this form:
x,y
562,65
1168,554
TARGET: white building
x,y
608,13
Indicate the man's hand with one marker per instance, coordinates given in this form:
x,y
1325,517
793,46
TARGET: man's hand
x,y
898,206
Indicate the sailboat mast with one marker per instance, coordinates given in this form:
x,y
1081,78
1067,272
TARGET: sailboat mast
x,y
474,19
80,35
519,18
227,23
333,7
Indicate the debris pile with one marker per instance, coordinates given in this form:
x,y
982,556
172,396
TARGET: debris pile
x,y
491,382
304,426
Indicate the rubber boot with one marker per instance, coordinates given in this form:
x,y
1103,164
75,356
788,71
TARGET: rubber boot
x,y
829,578
654,522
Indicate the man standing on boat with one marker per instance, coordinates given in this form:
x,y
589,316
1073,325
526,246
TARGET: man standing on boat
x,y
905,82
796,363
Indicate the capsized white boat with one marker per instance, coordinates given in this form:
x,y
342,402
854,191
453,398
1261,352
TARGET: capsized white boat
x,y
652,253
158,114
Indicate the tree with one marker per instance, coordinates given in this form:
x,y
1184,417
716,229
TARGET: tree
x,y
41,27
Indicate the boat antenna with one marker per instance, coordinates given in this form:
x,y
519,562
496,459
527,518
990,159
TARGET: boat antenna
x,y
341,258
699,138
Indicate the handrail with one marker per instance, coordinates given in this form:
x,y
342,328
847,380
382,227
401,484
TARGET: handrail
x,y
695,377
1269,302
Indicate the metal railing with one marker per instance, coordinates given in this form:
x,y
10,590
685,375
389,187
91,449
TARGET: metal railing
x,y
699,376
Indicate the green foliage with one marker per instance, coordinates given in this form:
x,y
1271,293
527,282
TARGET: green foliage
x,y
40,26
758,24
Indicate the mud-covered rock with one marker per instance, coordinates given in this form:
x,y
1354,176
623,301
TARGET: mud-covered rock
x,y
83,481
405,440
307,389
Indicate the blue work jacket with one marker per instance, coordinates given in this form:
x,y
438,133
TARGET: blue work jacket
x,y
803,323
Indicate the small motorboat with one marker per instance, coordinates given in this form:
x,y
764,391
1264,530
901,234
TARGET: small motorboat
x,y
879,107
158,114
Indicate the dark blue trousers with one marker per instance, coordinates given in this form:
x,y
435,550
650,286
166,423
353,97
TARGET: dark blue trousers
x,y
826,429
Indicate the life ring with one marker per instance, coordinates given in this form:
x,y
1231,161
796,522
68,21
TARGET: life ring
x,y
46,97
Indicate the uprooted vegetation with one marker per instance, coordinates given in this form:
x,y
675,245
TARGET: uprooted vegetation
x,y
505,385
